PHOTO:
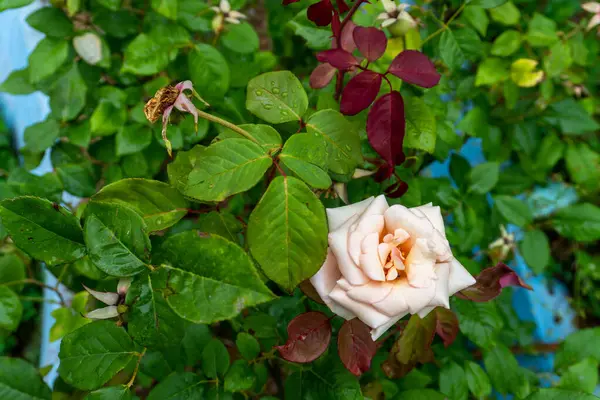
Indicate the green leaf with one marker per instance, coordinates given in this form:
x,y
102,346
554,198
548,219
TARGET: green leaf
x,y
515,211
247,345
475,123
94,353
77,179
145,56
24,183
487,3
12,268
576,347
316,37
276,97
116,239
582,376
209,71
583,164
580,222
215,359
266,135
51,21
541,31
536,250
159,204
112,5
179,386
503,369
306,156
422,394
480,322
132,139
225,168
477,18
483,177
196,338
506,14
558,60
457,47
11,309
220,223
69,319
420,125
107,118
6,4
44,230
342,138
68,94
120,392
40,136
287,232
453,382
210,278
560,394
507,43
240,377
47,58
241,38
20,380
151,322
17,83
571,117
168,8
477,380
491,71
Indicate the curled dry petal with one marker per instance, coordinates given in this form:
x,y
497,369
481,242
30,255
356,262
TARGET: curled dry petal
x,y
107,298
308,337
490,282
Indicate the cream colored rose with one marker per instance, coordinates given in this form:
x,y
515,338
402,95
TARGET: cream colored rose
x,y
386,262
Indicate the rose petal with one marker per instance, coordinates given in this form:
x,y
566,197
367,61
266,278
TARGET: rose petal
x,y
370,293
364,312
434,215
380,330
338,216
425,311
419,264
371,266
441,297
366,226
459,278
392,274
338,243
384,251
325,279
404,296
184,104
398,216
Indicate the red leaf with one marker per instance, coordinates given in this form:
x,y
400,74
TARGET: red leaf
x,y
336,24
321,76
342,6
347,39
371,42
308,337
385,127
446,326
320,13
360,92
356,347
286,2
414,67
490,283
309,290
397,190
339,58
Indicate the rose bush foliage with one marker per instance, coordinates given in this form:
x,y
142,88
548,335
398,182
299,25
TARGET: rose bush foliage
x,y
242,204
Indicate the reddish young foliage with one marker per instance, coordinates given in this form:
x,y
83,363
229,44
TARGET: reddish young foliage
x,y
355,346
287,2
321,76
490,283
308,337
347,39
447,325
309,290
339,58
360,92
321,13
371,42
342,6
386,127
397,190
414,67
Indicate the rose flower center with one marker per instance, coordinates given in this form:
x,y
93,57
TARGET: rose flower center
x,y
393,251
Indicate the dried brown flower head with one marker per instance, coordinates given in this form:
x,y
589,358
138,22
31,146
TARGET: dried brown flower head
x,y
163,99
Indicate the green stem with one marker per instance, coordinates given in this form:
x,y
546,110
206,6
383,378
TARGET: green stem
x,y
137,367
227,124
442,29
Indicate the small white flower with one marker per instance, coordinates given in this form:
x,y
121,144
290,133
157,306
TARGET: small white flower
x,y
594,8
110,299
225,13
395,13
505,243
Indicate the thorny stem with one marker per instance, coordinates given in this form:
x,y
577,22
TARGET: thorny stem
x,y
227,124
446,24
38,283
137,367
